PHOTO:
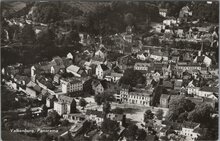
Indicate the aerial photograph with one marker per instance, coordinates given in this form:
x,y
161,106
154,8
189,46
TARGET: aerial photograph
x,y
112,70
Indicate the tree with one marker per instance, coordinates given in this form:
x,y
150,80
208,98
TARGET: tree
x,y
72,38
110,128
132,78
131,132
141,134
106,107
46,12
46,38
159,114
118,110
98,99
129,19
28,112
53,118
179,105
27,34
148,115
201,113
82,103
44,110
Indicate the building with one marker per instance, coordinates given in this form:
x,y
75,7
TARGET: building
x,y
71,85
207,91
65,105
120,118
188,129
115,77
75,117
101,71
76,71
140,97
50,101
99,86
164,100
101,53
158,56
203,60
124,91
96,116
163,12
33,90
141,66
188,67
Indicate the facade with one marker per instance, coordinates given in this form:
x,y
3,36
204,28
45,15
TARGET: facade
x,y
96,116
139,98
71,85
101,71
164,100
65,105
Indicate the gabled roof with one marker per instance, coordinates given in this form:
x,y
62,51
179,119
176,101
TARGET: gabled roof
x,y
66,99
209,89
94,112
191,125
104,67
73,68
200,59
165,96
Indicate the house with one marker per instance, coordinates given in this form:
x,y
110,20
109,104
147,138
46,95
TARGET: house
x,y
75,70
193,87
101,53
97,61
188,129
156,76
71,85
124,91
142,56
207,91
178,84
96,116
164,100
141,66
203,60
115,77
99,86
169,21
74,117
21,79
65,105
158,56
50,101
120,118
139,97
77,128
163,12
57,78
101,71
33,90
188,67
69,56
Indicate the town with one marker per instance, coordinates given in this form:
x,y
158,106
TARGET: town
x,y
109,71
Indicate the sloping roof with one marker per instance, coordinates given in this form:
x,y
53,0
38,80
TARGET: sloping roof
x,y
66,99
167,84
209,89
73,68
178,83
165,96
104,67
200,58
114,74
191,125
142,65
23,78
94,112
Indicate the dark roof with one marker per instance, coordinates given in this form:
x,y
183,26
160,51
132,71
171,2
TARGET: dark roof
x,y
190,124
150,138
167,84
94,112
66,99
165,96
209,89
104,67
173,125
200,59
